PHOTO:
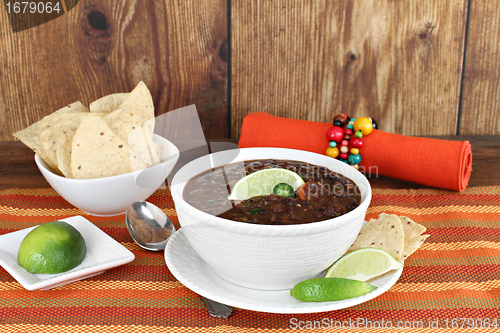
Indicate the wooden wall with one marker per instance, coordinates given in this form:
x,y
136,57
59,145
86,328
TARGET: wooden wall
x,y
176,47
426,67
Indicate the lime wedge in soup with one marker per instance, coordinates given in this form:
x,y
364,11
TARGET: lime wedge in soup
x,y
263,182
363,264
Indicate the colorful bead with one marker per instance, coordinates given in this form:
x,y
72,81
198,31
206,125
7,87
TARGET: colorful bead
x,y
350,126
342,118
344,149
374,123
344,156
357,143
364,125
347,137
333,144
355,166
354,159
337,123
359,134
348,132
332,152
335,133
344,143
354,151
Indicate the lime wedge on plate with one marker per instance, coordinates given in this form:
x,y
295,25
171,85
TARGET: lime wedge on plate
x,y
329,289
262,182
363,264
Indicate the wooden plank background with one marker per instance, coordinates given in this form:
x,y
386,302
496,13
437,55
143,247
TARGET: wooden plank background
x,y
401,62
481,90
396,61
102,47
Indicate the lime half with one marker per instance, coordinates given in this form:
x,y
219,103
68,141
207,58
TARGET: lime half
x,y
52,247
262,182
329,289
363,264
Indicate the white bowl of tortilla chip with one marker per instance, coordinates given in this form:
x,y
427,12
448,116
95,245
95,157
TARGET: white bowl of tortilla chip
x,y
112,195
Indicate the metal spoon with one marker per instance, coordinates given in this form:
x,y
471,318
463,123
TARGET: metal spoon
x,y
151,229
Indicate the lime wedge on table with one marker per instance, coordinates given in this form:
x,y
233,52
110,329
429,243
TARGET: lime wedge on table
x,y
329,289
363,264
52,247
262,182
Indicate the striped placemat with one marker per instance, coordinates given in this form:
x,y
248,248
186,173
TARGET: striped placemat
x,y
452,283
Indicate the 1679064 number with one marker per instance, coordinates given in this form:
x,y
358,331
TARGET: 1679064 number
x,y
32,7
485,323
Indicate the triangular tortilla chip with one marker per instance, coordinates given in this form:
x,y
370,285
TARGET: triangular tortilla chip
x,y
134,122
144,147
64,145
135,111
98,152
30,136
413,236
385,233
50,130
108,103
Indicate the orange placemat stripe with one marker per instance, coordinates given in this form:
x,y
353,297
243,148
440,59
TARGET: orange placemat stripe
x,y
455,274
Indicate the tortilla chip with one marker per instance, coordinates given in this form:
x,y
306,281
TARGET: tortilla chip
x,y
158,148
30,136
64,152
98,152
108,103
134,122
413,236
139,145
135,111
385,233
50,130
143,146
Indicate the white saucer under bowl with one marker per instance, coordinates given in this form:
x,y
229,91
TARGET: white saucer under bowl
x,y
187,267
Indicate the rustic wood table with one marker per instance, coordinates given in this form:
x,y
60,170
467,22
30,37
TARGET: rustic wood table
x,y
18,168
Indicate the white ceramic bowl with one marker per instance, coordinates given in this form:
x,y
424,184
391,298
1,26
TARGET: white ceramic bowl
x,y
112,195
268,257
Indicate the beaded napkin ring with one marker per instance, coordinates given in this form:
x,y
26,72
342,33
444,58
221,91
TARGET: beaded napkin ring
x,y
349,139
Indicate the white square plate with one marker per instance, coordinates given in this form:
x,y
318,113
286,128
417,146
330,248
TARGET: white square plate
x,y
103,253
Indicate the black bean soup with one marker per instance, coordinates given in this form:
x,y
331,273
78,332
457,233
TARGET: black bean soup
x,y
325,194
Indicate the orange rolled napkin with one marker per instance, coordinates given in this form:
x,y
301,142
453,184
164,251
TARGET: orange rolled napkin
x,y
432,162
